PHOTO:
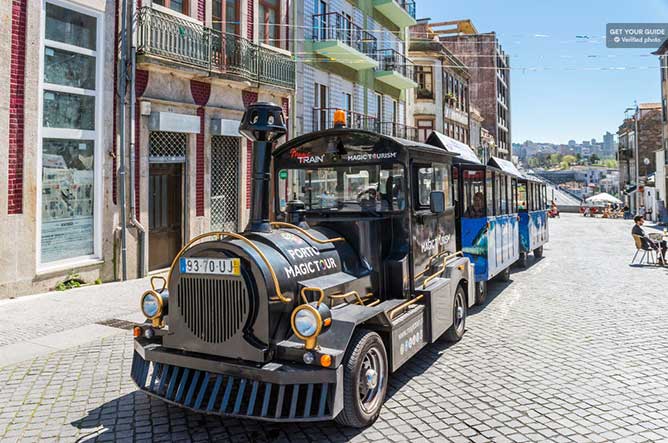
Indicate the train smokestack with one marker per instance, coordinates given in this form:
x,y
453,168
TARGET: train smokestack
x,y
262,124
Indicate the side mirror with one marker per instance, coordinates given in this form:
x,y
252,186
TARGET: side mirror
x,y
437,202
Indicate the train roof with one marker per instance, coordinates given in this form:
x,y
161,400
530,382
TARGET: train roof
x,y
505,166
464,152
361,137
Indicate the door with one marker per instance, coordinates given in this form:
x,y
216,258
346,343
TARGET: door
x,y
225,167
165,213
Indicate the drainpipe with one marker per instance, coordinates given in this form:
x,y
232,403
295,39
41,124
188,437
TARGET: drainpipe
x,y
133,115
122,90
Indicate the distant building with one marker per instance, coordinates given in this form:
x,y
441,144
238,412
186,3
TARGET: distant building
x,y
572,143
608,144
639,138
489,67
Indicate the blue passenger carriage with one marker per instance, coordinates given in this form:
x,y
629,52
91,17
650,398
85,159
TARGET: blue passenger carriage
x,y
532,206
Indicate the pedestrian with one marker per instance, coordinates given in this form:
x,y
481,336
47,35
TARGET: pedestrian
x,y
648,243
641,211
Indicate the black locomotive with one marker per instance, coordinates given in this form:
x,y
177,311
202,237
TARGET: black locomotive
x,y
304,318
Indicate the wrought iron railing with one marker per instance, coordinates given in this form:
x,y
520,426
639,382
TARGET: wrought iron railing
x,y
335,26
391,60
323,118
399,130
190,43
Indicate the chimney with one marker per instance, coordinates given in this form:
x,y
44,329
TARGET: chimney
x,y
262,124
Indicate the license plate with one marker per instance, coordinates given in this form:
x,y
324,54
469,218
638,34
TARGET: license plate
x,y
218,266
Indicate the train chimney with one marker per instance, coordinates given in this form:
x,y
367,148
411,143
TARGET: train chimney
x,y
262,124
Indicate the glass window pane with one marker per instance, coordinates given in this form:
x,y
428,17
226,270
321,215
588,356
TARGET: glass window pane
x,y
67,199
67,26
69,68
62,110
474,194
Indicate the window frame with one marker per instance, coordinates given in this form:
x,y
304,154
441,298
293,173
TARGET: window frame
x,y
186,7
424,72
95,135
223,16
447,184
264,24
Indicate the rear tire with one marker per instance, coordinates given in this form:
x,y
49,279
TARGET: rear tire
x,y
480,293
538,253
458,328
522,261
505,274
365,373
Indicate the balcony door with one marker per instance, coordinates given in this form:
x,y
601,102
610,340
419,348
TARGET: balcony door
x,y
175,5
320,21
270,22
226,16
348,107
321,103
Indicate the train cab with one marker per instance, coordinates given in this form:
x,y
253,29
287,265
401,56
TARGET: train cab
x,y
532,206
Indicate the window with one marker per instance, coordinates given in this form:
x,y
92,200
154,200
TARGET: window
x,y
175,5
474,194
425,128
379,107
70,169
226,16
424,77
521,197
489,191
348,107
434,178
365,188
270,22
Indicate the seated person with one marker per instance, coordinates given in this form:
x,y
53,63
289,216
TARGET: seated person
x,y
476,210
648,243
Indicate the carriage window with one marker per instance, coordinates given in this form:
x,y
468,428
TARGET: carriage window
x,y
503,195
353,189
474,194
455,185
497,194
489,184
513,190
521,197
545,202
436,178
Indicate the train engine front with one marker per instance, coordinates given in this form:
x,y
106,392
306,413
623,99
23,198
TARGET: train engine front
x,y
295,322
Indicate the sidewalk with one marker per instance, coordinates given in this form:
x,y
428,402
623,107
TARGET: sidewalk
x,y
43,323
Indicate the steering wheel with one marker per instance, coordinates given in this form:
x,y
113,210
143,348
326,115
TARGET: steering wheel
x,y
361,195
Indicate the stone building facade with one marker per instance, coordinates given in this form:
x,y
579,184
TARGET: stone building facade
x,y
661,155
199,63
489,68
442,99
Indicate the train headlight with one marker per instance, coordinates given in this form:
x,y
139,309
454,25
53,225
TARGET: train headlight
x,y
154,305
309,320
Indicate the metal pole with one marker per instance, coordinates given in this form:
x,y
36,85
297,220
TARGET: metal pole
x,y
637,147
133,109
122,89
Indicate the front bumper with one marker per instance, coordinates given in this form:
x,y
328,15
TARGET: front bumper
x,y
272,392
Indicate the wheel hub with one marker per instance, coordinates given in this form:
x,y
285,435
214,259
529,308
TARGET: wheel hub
x,y
371,377
460,312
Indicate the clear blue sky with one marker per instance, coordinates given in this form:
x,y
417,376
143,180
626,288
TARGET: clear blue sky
x,y
558,90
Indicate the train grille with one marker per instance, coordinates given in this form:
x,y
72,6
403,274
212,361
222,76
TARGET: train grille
x,y
213,309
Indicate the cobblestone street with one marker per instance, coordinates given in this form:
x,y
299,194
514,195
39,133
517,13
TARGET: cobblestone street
x,y
574,348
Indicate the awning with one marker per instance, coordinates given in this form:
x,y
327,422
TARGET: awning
x,y
465,152
505,166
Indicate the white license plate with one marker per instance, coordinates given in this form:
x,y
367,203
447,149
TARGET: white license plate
x,y
218,266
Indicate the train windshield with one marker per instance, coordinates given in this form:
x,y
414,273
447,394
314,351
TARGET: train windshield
x,y
363,188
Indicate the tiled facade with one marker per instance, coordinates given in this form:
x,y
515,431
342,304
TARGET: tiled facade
x,y
354,59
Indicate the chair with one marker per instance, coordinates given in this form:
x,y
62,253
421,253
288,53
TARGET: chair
x,y
651,259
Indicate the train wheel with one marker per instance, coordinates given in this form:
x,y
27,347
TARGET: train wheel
x,y
456,331
522,262
538,253
365,373
505,274
480,293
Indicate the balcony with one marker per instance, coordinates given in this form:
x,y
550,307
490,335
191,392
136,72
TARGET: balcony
x,y
168,39
395,69
323,118
341,41
399,12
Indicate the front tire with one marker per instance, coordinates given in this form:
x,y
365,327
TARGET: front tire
x,y
458,328
365,373
480,293
538,253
